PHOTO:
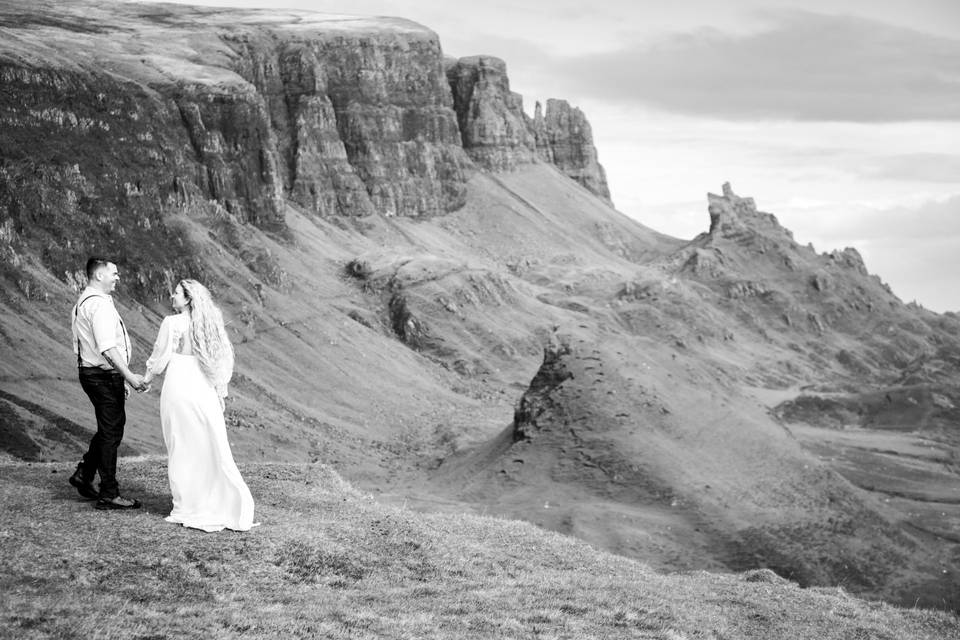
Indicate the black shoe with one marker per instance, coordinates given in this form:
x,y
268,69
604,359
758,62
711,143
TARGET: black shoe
x,y
84,487
117,503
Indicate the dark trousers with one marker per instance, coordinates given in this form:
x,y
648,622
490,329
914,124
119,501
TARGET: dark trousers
x,y
106,391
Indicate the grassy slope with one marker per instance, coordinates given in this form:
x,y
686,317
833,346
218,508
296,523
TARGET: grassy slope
x,y
328,561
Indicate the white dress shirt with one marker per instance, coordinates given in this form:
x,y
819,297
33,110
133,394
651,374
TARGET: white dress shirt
x,y
97,327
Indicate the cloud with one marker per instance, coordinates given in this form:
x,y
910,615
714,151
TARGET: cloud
x,y
805,66
872,167
931,221
931,167
919,267
516,53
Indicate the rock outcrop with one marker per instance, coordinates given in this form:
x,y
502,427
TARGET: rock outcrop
x,y
493,125
564,138
792,294
732,216
535,402
499,136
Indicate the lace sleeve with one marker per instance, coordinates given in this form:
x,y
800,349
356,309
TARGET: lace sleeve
x,y
163,347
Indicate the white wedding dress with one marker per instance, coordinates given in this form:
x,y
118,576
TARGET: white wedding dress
x,y
208,490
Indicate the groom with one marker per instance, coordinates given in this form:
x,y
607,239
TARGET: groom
x,y
102,346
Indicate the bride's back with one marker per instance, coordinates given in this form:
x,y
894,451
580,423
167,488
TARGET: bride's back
x,y
182,343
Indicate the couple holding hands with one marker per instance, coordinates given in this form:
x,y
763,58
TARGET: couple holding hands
x,y
194,353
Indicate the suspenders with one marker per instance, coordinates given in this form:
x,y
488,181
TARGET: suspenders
x,y
76,312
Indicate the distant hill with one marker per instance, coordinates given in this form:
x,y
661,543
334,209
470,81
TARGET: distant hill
x,y
432,292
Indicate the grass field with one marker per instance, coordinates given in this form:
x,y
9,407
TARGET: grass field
x,y
328,561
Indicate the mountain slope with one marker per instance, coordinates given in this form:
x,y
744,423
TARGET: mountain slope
x,y
647,429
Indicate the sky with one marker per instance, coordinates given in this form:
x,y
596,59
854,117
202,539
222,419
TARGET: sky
x,y
840,117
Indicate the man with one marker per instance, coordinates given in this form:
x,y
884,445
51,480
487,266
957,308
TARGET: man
x,y
102,346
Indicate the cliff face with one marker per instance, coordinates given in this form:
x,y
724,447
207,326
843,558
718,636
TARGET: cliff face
x,y
363,120
492,122
564,138
120,120
91,160
347,122
499,136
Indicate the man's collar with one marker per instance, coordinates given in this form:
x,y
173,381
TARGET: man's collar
x,y
93,291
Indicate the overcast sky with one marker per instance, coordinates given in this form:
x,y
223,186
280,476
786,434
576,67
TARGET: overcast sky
x,y
841,117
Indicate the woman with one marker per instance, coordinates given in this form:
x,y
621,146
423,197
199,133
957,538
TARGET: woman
x,y
194,349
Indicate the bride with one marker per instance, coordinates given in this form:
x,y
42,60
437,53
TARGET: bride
x,y
194,349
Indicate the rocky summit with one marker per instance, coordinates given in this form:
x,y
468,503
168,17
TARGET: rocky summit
x,y
431,291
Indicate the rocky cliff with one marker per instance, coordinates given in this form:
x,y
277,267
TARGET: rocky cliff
x,y
564,138
131,116
492,122
362,117
499,136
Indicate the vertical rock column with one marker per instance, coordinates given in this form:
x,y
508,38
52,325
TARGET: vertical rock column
x,y
499,136
493,126
564,137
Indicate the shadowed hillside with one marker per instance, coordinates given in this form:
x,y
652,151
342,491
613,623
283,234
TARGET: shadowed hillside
x,y
431,292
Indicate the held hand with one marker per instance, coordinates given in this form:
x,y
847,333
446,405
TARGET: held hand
x,y
137,382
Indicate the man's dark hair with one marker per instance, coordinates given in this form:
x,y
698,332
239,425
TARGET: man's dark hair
x,y
94,263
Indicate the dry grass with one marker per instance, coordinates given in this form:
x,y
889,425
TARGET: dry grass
x,y
330,562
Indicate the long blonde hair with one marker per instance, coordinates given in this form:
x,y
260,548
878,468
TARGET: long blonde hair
x,y
208,335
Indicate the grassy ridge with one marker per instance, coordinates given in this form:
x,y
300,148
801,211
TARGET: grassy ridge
x,y
329,561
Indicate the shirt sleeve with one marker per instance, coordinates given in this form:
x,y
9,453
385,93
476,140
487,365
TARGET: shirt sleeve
x,y
162,348
103,322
